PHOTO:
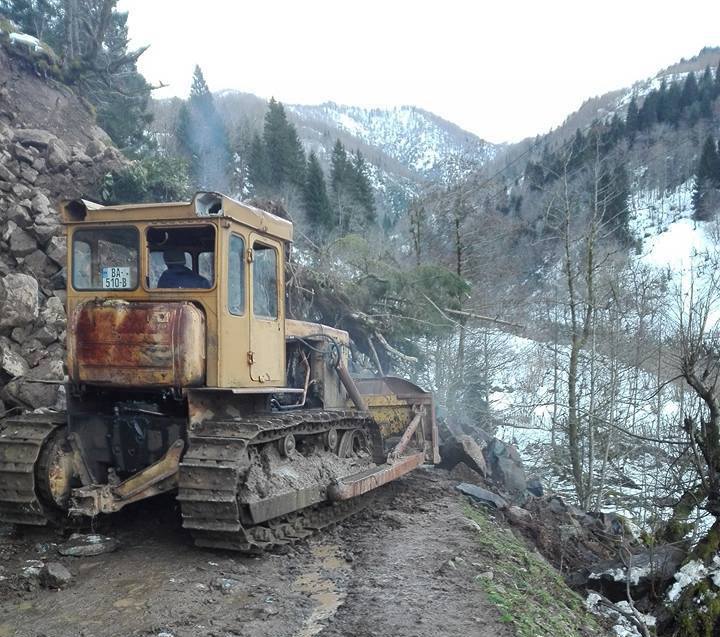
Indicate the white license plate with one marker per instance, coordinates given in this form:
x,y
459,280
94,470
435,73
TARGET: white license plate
x,y
116,279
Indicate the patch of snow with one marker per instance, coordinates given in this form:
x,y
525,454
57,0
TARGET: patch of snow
x,y
25,39
623,627
690,573
620,574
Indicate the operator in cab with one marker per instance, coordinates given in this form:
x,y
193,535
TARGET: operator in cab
x,y
178,275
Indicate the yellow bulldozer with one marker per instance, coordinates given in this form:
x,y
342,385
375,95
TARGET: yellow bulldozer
x,y
185,376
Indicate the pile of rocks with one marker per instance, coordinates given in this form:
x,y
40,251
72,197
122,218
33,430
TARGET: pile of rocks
x,y
38,167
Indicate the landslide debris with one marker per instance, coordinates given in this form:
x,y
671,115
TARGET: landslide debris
x,y
50,148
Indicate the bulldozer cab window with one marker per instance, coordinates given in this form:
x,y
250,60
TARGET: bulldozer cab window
x,y
265,284
236,275
105,259
181,257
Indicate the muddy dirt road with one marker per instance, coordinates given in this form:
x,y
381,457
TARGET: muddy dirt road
x,y
384,572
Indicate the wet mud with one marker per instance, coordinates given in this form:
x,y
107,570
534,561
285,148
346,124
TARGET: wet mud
x,y
383,572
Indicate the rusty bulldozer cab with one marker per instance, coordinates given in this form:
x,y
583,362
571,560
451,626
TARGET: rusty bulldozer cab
x,y
185,375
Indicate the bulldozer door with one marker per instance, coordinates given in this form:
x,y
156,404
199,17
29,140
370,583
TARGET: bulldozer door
x,y
266,357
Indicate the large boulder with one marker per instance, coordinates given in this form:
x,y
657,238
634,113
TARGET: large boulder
x,y
18,300
22,243
55,576
40,265
650,569
483,496
506,467
463,449
53,314
57,250
58,155
34,137
5,174
11,362
19,215
28,393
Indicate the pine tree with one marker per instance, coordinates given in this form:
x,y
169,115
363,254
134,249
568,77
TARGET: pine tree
x,y
717,81
361,188
534,175
662,102
315,197
203,138
274,137
338,166
709,165
285,156
648,113
296,157
632,120
339,169
258,163
672,104
615,187
690,91
706,194
707,84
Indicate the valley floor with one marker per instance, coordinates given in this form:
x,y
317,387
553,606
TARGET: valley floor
x,y
391,570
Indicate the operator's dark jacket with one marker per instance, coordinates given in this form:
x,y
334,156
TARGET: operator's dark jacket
x,y
180,276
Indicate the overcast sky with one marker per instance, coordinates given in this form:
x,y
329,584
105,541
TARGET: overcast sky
x,y
503,69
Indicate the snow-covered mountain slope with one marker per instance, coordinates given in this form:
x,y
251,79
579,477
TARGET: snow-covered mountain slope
x,y
605,106
422,142
407,149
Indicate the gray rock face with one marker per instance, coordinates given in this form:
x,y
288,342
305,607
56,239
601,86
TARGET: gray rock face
x,y
19,300
54,575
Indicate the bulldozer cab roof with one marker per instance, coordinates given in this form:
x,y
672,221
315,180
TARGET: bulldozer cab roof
x,y
203,206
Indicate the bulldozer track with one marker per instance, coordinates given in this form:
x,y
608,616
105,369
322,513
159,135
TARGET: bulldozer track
x,y
21,441
212,469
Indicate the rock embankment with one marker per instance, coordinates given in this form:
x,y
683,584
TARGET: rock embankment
x,y
50,149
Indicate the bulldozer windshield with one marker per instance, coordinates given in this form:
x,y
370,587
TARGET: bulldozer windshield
x,y
105,258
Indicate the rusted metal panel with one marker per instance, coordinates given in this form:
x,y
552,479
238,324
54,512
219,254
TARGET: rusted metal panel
x,y
353,486
393,402
137,344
